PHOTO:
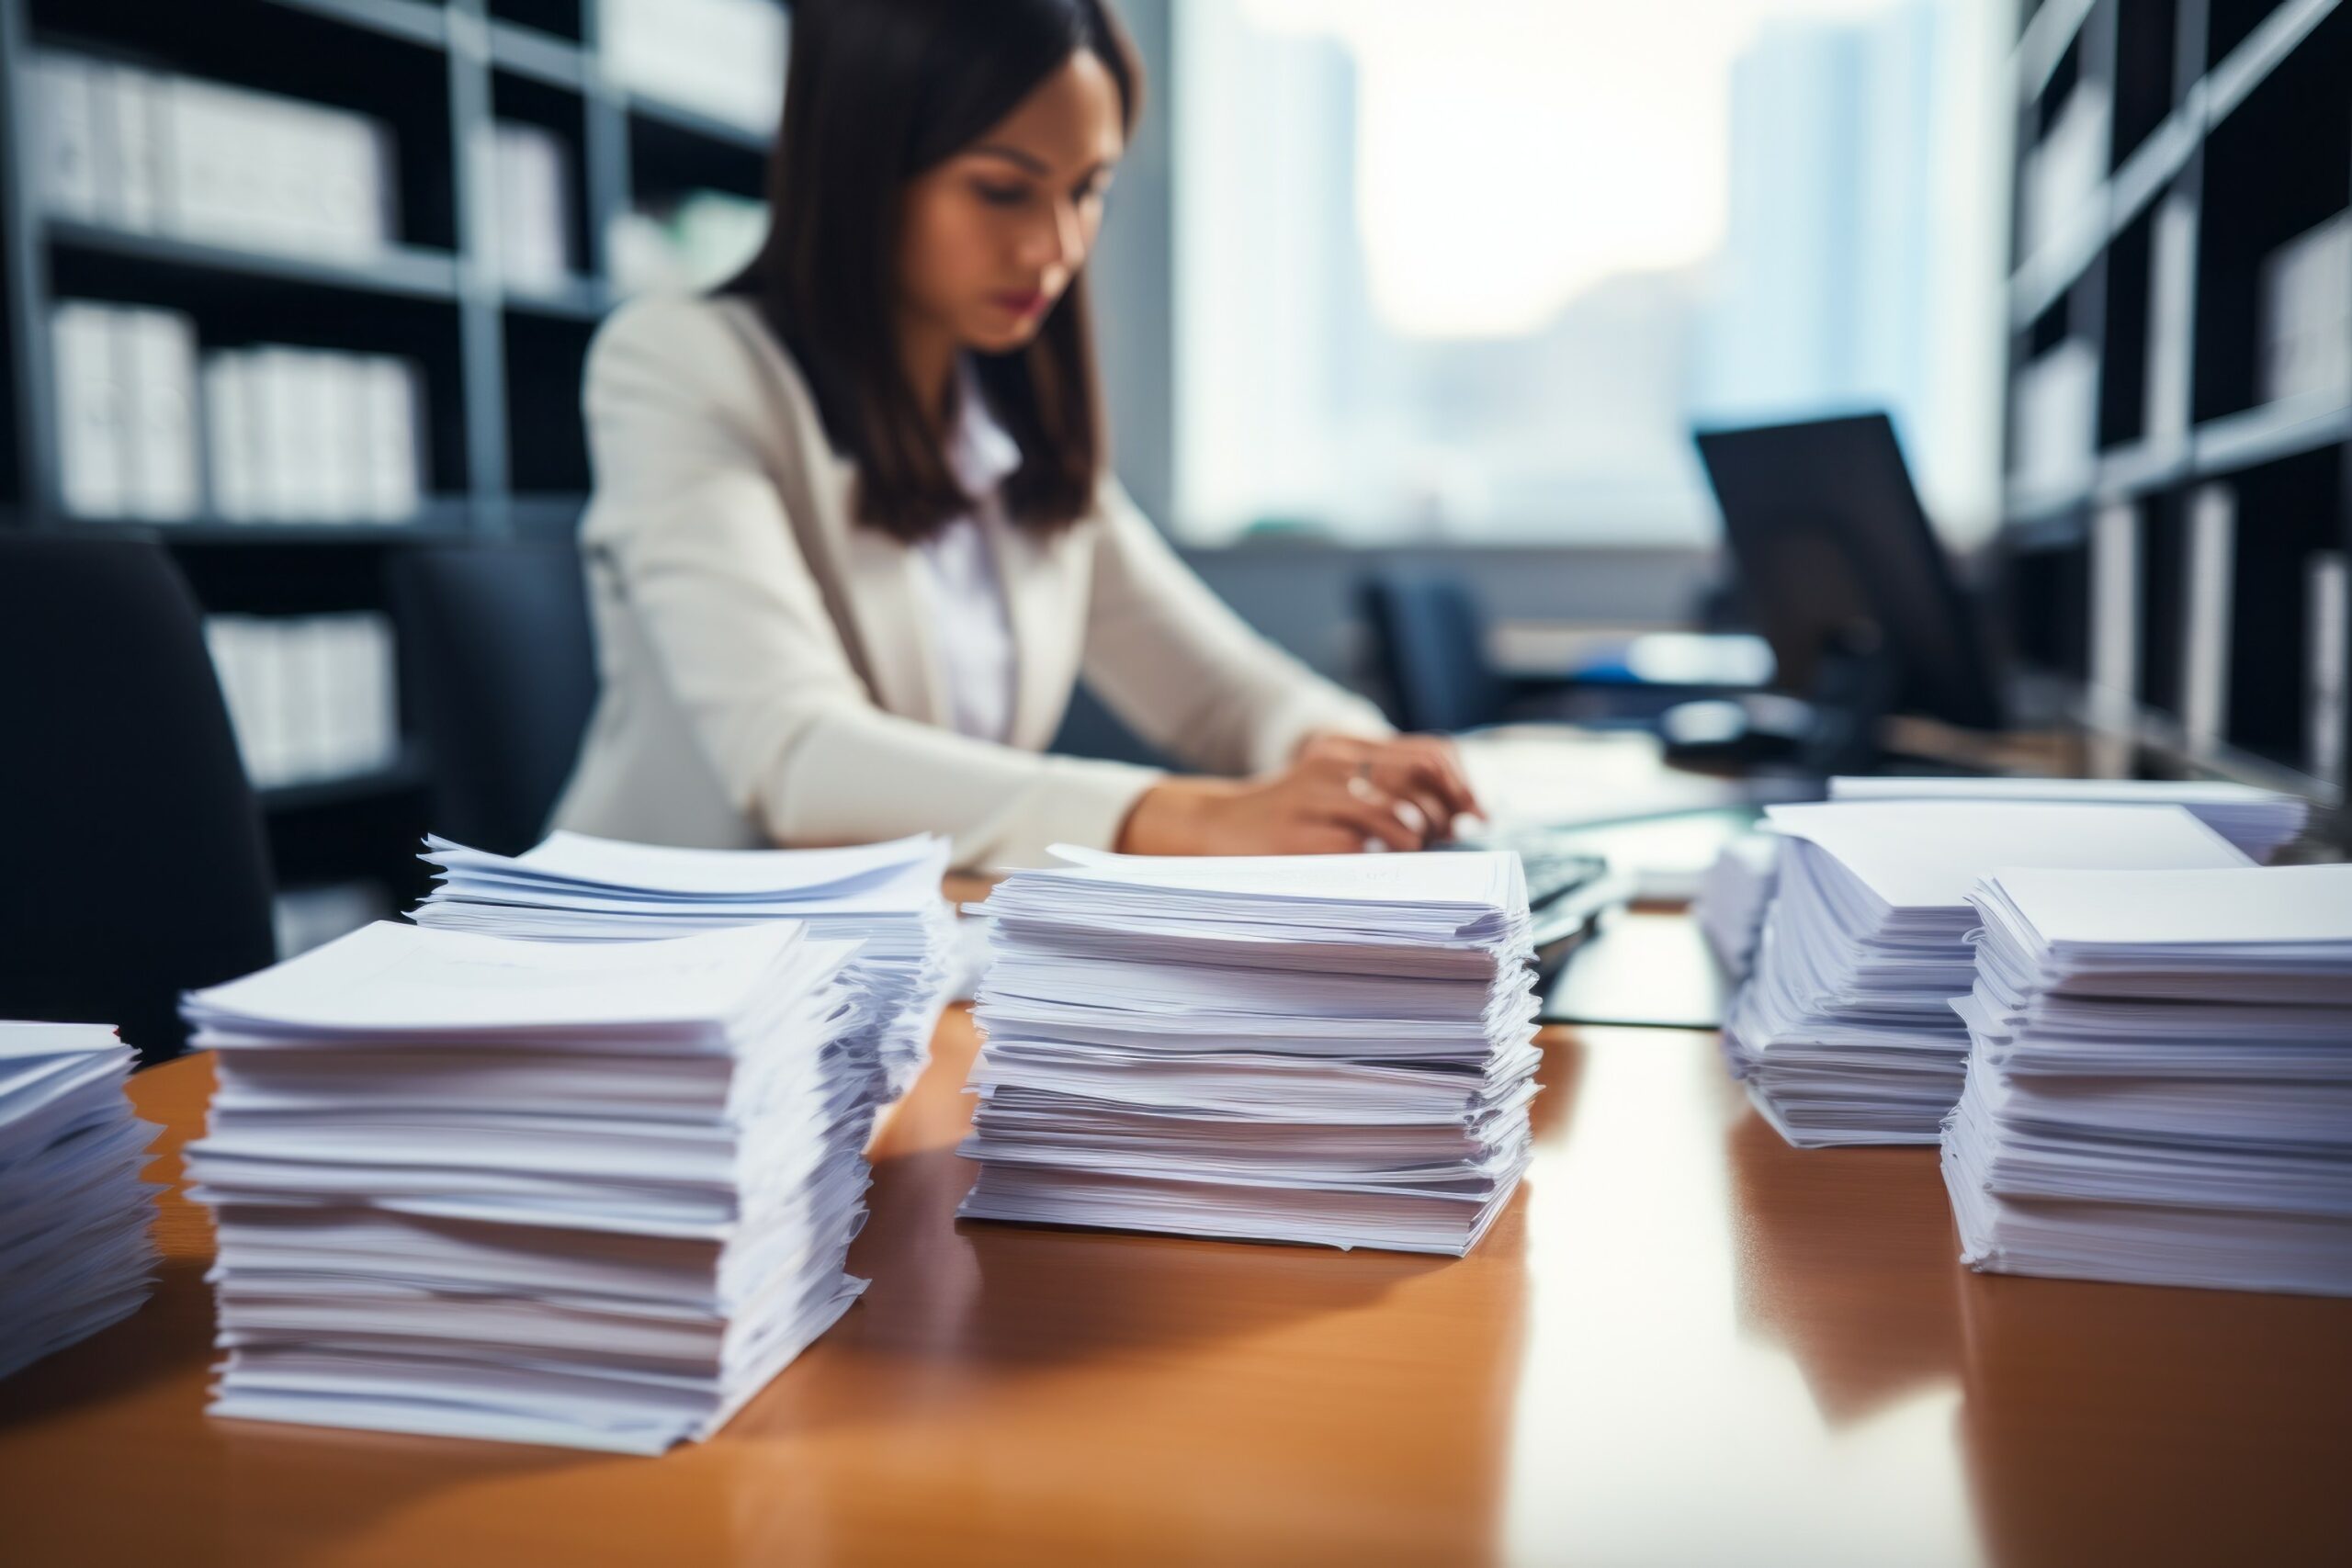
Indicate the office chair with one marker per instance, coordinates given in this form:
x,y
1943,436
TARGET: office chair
x,y
1430,638
134,859
1430,642
499,669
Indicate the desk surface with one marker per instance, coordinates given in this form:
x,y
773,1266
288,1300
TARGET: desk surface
x,y
1685,1342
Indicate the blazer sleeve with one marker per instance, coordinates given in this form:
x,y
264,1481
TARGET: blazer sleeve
x,y
1187,673
693,529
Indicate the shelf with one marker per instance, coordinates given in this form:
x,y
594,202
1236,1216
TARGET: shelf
x,y
2045,277
2026,505
402,777
355,535
545,516
2231,81
2117,203
696,123
2235,442
2059,264
578,299
2056,530
2126,472
2162,737
542,57
2270,432
2046,40
499,364
407,271
2156,163
410,20
448,518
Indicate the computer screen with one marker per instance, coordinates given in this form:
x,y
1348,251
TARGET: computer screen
x,y
1835,557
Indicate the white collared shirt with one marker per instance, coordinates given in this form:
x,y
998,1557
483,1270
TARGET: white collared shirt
x,y
955,569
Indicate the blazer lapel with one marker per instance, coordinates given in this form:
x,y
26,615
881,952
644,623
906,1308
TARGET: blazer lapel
x,y
887,607
865,576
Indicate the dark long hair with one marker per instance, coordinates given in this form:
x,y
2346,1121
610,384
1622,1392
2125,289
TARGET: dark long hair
x,y
879,92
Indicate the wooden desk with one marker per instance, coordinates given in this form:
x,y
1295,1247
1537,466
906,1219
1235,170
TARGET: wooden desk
x,y
1684,1343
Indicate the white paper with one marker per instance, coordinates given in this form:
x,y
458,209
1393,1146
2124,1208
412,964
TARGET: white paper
x,y
575,889
74,1211
1330,1051
2159,1083
588,1195
1930,854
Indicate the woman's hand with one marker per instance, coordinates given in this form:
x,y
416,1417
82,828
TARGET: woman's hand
x,y
1423,772
1337,795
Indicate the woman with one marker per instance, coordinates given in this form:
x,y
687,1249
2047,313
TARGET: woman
x,y
853,536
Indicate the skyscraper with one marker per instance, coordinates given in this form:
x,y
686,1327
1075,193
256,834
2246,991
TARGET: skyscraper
x,y
1823,286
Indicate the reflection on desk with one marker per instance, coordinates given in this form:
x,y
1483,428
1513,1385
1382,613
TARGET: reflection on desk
x,y
1684,1343
2129,1424
1846,1262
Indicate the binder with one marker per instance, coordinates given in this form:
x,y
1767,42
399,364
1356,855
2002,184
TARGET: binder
x,y
158,352
92,445
66,136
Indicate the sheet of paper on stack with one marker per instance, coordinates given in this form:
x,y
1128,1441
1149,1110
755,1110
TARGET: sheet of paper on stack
x,y
2258,821
577,888
1326,1050
76,1249
592,1195
1844,1033
2160,1080
1733,896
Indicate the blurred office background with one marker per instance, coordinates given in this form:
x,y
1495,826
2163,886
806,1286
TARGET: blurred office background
x,y
303,287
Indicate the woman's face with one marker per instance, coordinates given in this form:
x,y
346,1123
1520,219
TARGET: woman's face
x,y
992,236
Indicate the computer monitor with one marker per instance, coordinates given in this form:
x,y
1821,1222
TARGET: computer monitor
x,y
1841,570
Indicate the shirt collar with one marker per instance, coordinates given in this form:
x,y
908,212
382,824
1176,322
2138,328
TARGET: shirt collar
x,y
982,452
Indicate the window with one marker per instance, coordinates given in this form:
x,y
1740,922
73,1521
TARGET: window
x,y
1471,270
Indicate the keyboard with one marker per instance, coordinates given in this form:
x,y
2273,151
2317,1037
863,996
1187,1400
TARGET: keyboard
x,y
1568,885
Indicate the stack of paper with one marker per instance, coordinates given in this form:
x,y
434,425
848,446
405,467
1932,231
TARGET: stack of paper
x,y
588,1195
2160,1084
1845,1032
1733,896
576,888
74,1250
2258,821
1328,1050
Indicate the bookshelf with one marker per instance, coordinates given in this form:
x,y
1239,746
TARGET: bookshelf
x,y
2167,150
501,449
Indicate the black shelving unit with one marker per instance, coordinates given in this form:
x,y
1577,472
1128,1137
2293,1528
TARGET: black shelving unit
x,y
504,452
2231,121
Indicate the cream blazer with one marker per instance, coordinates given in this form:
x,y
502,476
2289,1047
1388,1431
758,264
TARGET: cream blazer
x,y
768,677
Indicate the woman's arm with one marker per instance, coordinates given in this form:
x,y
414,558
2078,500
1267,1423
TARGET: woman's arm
x,y
1186,674
694,527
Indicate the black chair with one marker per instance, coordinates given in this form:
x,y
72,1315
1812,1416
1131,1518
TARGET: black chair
x,y
132,847
1430,640
499,669
1431,644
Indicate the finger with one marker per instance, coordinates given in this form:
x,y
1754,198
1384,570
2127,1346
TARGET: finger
x,y
1419,811
1424,807
1374,810
1436,815
1368,807
1422,777
1446,758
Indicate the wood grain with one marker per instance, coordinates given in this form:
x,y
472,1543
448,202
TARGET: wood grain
x,y
1684,1343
